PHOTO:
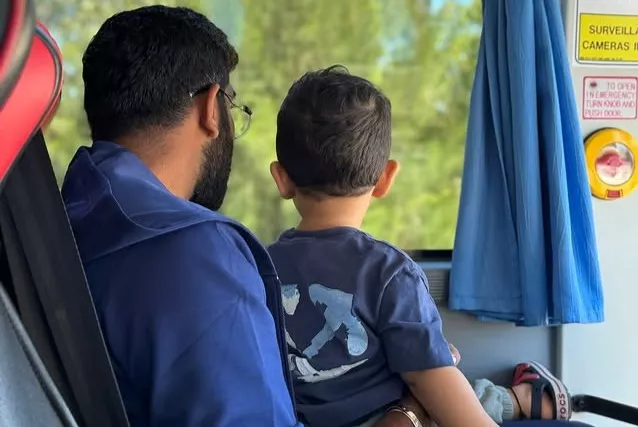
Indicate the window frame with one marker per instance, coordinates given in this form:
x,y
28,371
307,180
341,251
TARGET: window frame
x,y
430,255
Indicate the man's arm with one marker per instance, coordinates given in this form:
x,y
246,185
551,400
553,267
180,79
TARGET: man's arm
x,y
211,342
410,327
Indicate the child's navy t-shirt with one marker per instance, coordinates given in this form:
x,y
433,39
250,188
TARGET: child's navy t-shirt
x,y
358,313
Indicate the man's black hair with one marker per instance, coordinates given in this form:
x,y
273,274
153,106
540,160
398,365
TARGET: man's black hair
x,y
142,65
334,133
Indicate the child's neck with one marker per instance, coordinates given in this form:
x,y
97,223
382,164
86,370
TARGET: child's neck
x,y
330,212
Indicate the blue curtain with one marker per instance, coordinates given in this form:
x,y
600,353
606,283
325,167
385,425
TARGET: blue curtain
x,y
525,247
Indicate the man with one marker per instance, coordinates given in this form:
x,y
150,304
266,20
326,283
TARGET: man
x,y
180,290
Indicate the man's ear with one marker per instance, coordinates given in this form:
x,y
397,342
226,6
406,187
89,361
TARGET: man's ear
x,y
210,112
285,186
386,180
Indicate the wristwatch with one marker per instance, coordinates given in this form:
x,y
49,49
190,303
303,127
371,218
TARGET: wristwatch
x,y
407,412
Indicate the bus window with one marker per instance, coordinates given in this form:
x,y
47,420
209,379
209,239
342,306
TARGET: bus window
x,y
421,53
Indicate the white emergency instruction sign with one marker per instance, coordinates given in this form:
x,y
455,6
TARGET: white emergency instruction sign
x,y
610,98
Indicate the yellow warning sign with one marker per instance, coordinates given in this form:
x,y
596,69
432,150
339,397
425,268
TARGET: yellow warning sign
x,y
608,38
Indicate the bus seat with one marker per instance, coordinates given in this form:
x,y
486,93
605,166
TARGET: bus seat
x,y
41,274
28,396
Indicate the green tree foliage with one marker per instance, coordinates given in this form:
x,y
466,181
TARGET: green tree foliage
x,y
421,53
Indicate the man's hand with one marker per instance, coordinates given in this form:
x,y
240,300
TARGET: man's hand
x,y
397,419
394,419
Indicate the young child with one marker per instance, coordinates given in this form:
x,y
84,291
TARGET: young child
x,y
360,323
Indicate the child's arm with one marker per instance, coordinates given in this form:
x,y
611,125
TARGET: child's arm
x,y
447,397
410,328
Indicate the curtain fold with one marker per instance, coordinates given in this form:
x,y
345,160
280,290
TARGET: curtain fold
x,y
525,248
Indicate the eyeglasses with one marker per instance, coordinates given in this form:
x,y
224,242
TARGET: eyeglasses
x,y
240,114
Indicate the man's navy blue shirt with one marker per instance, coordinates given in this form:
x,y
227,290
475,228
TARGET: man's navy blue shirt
x,y
358,314
180,292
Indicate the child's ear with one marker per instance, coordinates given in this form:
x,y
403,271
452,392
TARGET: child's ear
x,y
387,178
282,181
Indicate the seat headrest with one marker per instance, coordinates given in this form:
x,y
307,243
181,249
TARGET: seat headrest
x,y
33,99
17,23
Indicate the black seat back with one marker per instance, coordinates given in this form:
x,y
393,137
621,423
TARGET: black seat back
x,y
46,280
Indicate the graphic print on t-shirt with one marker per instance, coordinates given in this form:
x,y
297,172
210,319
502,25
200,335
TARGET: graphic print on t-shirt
x,y
338,314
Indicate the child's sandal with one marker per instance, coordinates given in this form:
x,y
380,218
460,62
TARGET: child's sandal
x,y
541,380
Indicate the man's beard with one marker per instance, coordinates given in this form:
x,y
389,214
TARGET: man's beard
x,y
212,184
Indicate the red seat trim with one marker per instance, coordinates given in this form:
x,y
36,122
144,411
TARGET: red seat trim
x,y
33,99
15,44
